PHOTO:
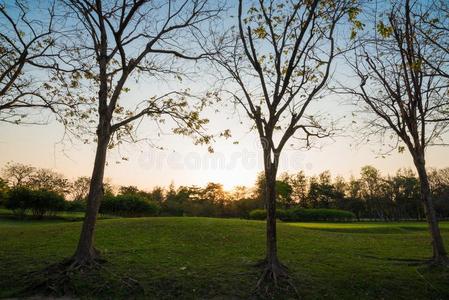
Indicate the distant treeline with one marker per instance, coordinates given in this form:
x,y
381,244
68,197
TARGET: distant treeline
x,y
369,196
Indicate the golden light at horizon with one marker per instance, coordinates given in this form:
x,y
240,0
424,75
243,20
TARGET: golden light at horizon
x,y
230,165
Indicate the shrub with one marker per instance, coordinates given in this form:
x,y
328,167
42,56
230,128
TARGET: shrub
x,y
76,205
258,214
242,207
304,215
261,214
39,202
281,214
128,205
4,189
318,214
46,202
19,200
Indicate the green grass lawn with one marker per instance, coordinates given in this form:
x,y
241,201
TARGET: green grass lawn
x,y
213,258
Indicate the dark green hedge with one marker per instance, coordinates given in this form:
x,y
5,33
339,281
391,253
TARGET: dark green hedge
x,y
76,205
318,214
258,214
128,205
305,214
22,200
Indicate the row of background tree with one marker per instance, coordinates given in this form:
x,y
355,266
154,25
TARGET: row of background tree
x,y
369,196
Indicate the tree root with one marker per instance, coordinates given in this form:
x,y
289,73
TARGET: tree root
x,y
274,277
436,262
57,279
432,262
408,261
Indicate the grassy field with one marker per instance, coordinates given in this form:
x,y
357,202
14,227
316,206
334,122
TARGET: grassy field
x,y
213,258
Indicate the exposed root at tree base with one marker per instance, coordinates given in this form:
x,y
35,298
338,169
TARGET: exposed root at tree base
x,y
57,279
263,263
274,278
432,262
409,261
439,262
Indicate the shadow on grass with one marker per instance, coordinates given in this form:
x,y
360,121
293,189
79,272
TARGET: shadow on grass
x,y
371,230
365,228
400,260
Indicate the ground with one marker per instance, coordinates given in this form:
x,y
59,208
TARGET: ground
x,y
214,258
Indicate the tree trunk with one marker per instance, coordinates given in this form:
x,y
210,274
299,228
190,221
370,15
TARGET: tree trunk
x,y
85,251
273,267
439,251
270,196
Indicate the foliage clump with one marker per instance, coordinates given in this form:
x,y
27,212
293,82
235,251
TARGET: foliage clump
x,y
22,200
128,205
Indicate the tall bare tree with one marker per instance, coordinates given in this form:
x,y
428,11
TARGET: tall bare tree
x,y
26,44
406,96
279,62
112,43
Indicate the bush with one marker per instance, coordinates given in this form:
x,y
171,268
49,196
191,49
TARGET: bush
x,y
4,189
19,200
76,205
128,205
318,214
281,214
261,214
39,202
304,215
46,202
258,214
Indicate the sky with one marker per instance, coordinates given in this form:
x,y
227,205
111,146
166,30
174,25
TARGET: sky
x,y
182,163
